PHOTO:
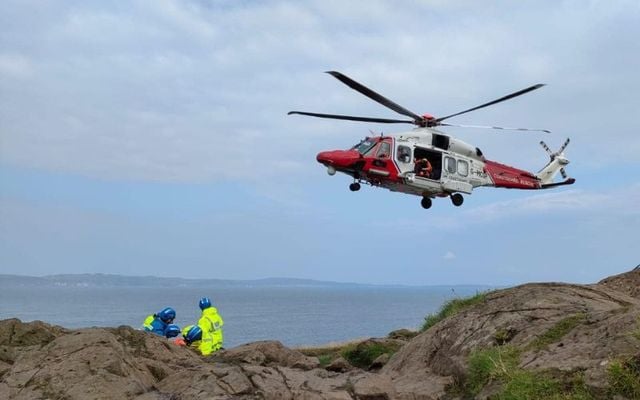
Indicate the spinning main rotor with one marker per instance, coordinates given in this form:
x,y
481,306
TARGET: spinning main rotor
x,y
422,121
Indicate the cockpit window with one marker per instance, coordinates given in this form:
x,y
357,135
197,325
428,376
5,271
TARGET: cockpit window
x,y
364,146
384,150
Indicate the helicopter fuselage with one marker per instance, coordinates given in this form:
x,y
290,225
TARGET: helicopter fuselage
x,y
456,166
426,162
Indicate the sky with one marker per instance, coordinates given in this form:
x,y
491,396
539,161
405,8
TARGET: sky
x,y
152,138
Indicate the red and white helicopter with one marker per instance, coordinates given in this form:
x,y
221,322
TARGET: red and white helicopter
x,y
452,167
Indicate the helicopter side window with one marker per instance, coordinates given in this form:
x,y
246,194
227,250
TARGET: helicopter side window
x,y
450,165
384,150
403,154
463,168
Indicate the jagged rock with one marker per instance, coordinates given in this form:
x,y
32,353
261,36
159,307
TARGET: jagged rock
x,y
268,353
628,282
374,387
40,361
319,383
402,334
380,361
605,318
339,365
15,333
95,363
360,355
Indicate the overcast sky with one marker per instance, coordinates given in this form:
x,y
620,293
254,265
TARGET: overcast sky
x,y
151,138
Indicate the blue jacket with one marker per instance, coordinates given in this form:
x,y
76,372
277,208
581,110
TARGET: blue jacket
x,y
155,325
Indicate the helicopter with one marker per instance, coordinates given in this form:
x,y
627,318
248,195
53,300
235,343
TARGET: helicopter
x,y
427,162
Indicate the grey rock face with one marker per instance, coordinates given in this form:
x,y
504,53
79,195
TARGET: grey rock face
x,y
40,361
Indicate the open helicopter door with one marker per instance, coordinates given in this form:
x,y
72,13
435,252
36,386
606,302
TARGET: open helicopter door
x,y
423,179
435,160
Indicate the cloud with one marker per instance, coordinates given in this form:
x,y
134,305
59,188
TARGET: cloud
x,y
198,91
15,66
449,255
622,201
591,204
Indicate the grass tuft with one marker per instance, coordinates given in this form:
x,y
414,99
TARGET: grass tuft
x,y
500,364
558,331
326,359
491,364
624,377
452,307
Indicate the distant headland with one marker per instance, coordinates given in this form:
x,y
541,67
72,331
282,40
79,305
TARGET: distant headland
x,y
98,280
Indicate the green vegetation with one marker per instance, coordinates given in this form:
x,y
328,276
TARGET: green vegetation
x,y
359,354
504,336
540,385
452,307
558,331
624,377
490,364
363,355
326,359
326,355
500,364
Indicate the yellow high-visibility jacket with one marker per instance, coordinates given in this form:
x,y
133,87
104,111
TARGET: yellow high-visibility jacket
x,y
205,344
211,324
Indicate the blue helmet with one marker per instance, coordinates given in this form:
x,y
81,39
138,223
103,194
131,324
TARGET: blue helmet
x,y
205,302
193,334
167,315
172,331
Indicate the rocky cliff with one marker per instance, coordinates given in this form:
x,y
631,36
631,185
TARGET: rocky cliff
x,y
570,341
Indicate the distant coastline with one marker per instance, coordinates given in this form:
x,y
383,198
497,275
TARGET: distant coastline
x,y
109,280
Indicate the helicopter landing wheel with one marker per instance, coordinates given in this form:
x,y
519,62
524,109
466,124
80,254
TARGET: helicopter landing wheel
x,y
457,199
426,203
354,187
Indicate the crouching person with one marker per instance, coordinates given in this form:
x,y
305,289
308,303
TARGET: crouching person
x,y
161,322
196,338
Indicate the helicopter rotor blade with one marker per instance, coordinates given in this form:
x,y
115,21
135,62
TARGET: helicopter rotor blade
x,y
507,97
418,120
352,118
564,146
499,128
544,146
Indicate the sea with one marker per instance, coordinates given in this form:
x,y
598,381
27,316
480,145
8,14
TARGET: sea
x,y
297,316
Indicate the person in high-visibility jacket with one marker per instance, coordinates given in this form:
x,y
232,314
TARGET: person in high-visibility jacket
x,y
161,323
211,323
198,339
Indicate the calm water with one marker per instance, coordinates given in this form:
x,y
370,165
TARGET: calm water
x,y
296,316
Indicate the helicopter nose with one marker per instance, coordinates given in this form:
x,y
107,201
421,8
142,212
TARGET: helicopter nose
x,y
324,157
338,158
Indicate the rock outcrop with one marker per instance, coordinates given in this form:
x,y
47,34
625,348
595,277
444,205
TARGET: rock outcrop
x,y
602,319
557,327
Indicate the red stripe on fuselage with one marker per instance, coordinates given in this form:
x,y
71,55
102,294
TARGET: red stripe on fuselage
x,y
510,177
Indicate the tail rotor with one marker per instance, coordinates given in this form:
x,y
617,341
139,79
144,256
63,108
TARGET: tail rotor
x,y
556,164
544,146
